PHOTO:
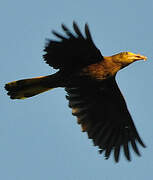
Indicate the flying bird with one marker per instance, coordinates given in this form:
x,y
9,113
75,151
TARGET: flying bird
x,y
93,94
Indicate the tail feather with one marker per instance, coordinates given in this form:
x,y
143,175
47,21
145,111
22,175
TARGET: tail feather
x,y
25,88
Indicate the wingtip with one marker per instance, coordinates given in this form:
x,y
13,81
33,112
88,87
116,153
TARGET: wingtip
x,y
63,26
74,23
140,141
87,32
58,35
77,30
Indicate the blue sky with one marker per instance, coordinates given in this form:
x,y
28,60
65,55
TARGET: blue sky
x,y
39,138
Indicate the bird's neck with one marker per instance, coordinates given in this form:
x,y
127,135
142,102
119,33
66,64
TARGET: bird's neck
x,y
103,69
111,66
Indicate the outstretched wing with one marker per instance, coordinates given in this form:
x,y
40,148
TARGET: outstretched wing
x,y
102,112
73,51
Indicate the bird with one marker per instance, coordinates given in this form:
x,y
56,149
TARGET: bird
x,y
88,78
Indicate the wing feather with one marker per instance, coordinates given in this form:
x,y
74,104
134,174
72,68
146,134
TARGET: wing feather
x,y
73,51
102,112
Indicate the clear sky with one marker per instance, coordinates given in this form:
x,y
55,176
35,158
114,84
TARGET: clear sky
x,y
39,138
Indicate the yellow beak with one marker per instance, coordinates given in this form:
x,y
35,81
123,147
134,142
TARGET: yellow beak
x,y
140,57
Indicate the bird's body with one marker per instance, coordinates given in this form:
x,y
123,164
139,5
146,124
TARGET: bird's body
x,y
103,69
93,94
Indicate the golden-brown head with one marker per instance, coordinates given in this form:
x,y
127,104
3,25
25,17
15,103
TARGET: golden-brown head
x,y
126,58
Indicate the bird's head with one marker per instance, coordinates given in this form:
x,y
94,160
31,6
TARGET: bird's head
x,y
126,58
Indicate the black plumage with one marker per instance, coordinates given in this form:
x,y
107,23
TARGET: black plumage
x,y
103,114
72,52
93,94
